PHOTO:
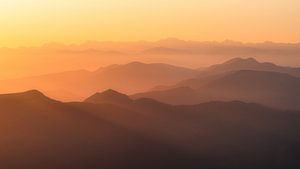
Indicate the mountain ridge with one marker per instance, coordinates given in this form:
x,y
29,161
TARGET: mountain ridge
x,y
273,89
252,64
76,85
152,133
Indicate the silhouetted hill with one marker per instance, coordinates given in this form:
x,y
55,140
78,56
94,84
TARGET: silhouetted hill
x,y
38,132
273,89
119,99
30,96
109,96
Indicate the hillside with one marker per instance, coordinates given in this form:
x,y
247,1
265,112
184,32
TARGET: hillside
x,y
273,89
144,133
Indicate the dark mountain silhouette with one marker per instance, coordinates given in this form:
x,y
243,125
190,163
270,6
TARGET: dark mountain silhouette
x,y
109,96
29,97
273,89
38,132
76,85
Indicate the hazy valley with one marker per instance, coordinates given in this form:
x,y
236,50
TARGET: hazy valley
x,y
241,114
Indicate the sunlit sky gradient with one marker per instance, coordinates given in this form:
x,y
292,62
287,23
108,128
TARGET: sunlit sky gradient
x,y
34,22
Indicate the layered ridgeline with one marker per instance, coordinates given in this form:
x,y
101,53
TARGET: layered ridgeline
x,y
238,79
252,64
55,57
76,85
110,130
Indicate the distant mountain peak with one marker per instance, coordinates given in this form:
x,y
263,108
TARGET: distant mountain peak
x,y
109,96
110,92
250,63
28,94
241,60
136,63
31,95
246,64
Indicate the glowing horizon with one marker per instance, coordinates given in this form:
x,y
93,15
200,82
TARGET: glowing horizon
x,y
35,22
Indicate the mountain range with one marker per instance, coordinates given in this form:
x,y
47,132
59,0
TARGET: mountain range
x,y
252,64
238,79
76,85
91,54
243,79
110,130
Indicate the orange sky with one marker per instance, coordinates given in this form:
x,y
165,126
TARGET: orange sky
x,y
33,22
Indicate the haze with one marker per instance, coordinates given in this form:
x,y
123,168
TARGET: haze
x,y
34,22
149,84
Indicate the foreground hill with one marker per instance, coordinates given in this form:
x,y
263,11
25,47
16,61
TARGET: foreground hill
x,y
38,132
76,85
106,132
273,89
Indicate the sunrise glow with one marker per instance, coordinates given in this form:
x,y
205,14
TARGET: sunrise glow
x,y
34,22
